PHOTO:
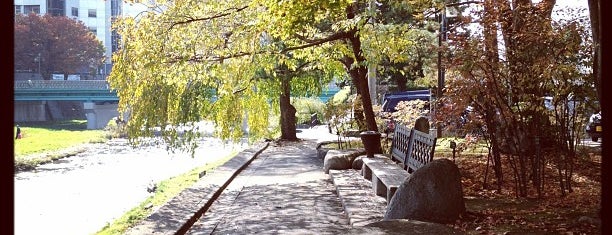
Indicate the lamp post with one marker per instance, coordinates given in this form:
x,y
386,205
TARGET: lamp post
x,y
441,38
38,59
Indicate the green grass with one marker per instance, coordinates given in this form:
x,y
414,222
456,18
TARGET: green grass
x,y
443,146
52,136
166,190
45,141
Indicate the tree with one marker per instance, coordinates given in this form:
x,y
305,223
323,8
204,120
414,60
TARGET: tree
x,y
507,79
49,44
417,57
222,45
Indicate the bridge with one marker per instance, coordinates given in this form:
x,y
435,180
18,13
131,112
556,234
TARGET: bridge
x,y
87,90
33,97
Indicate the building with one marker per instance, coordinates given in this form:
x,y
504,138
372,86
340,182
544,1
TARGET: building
x,y
97,15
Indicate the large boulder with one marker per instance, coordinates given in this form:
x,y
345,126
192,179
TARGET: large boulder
x,y
432,193
422,125
340,159
358,162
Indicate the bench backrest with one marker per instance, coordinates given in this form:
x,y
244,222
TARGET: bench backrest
x,y
412,148
421,151
400,143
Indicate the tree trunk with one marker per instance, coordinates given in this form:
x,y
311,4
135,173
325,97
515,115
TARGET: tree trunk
x,y
595,16
287,120
359,73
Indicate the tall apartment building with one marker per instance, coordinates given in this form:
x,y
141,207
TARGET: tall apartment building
x,y
97,15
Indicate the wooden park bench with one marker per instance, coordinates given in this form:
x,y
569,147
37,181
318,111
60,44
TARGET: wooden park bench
x,y
410,148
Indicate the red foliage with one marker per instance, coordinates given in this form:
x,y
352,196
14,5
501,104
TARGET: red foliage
x,y
55,44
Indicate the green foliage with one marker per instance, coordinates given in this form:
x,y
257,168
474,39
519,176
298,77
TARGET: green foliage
x,y
341,96
223,61
306,106
115,129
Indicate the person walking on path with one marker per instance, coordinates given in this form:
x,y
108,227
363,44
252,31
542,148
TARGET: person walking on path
x,y
18,134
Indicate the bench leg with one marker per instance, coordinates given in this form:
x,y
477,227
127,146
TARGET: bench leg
x,y
366,172
390,193
379,188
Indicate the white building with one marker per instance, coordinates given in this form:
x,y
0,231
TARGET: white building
x,y
97,15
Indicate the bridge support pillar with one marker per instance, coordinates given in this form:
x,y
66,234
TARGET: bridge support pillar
x,y
98,115
90,114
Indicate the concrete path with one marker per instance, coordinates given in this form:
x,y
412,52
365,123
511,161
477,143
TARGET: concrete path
x,y
283,191
279,188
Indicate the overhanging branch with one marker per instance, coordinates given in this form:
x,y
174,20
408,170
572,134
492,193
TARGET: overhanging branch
x,y
227,12
200,58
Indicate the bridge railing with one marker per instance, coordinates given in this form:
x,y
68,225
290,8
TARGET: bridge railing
x,y
62,85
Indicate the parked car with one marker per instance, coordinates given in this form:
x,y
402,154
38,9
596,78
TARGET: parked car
x,y
593,127
392,99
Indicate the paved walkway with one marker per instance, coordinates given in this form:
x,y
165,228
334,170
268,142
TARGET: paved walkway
x,y
278,188
283,191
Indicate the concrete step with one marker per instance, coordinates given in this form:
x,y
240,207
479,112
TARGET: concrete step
x,y
360,204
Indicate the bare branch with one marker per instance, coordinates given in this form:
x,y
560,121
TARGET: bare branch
x,y
227,12
333,37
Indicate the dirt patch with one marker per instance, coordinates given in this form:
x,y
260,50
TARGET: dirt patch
x,y
492,211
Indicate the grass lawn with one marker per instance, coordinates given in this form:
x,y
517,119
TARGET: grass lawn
x,y
46,141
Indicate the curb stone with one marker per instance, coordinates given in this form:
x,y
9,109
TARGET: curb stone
x,y
178,214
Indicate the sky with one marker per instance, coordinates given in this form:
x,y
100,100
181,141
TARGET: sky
x,y
572,4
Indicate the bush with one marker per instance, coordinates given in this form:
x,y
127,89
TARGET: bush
x,y
307,106
115,128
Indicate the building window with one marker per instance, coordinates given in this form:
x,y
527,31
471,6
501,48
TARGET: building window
x,y
93,30
92,13
75,11
114,41
56,8
115,7
27,9
17,9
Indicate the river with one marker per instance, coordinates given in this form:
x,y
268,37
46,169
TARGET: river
x,y
81,194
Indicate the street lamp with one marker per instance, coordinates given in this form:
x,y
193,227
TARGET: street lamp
x,y
441,38
38,59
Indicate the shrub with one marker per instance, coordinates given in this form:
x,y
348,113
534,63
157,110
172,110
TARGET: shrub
x,y
115,128
307,106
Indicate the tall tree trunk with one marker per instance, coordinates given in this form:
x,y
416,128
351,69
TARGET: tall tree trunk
x,y
288,120
492,54
595,16
359,73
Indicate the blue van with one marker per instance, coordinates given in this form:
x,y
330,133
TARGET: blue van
x,y
391,100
